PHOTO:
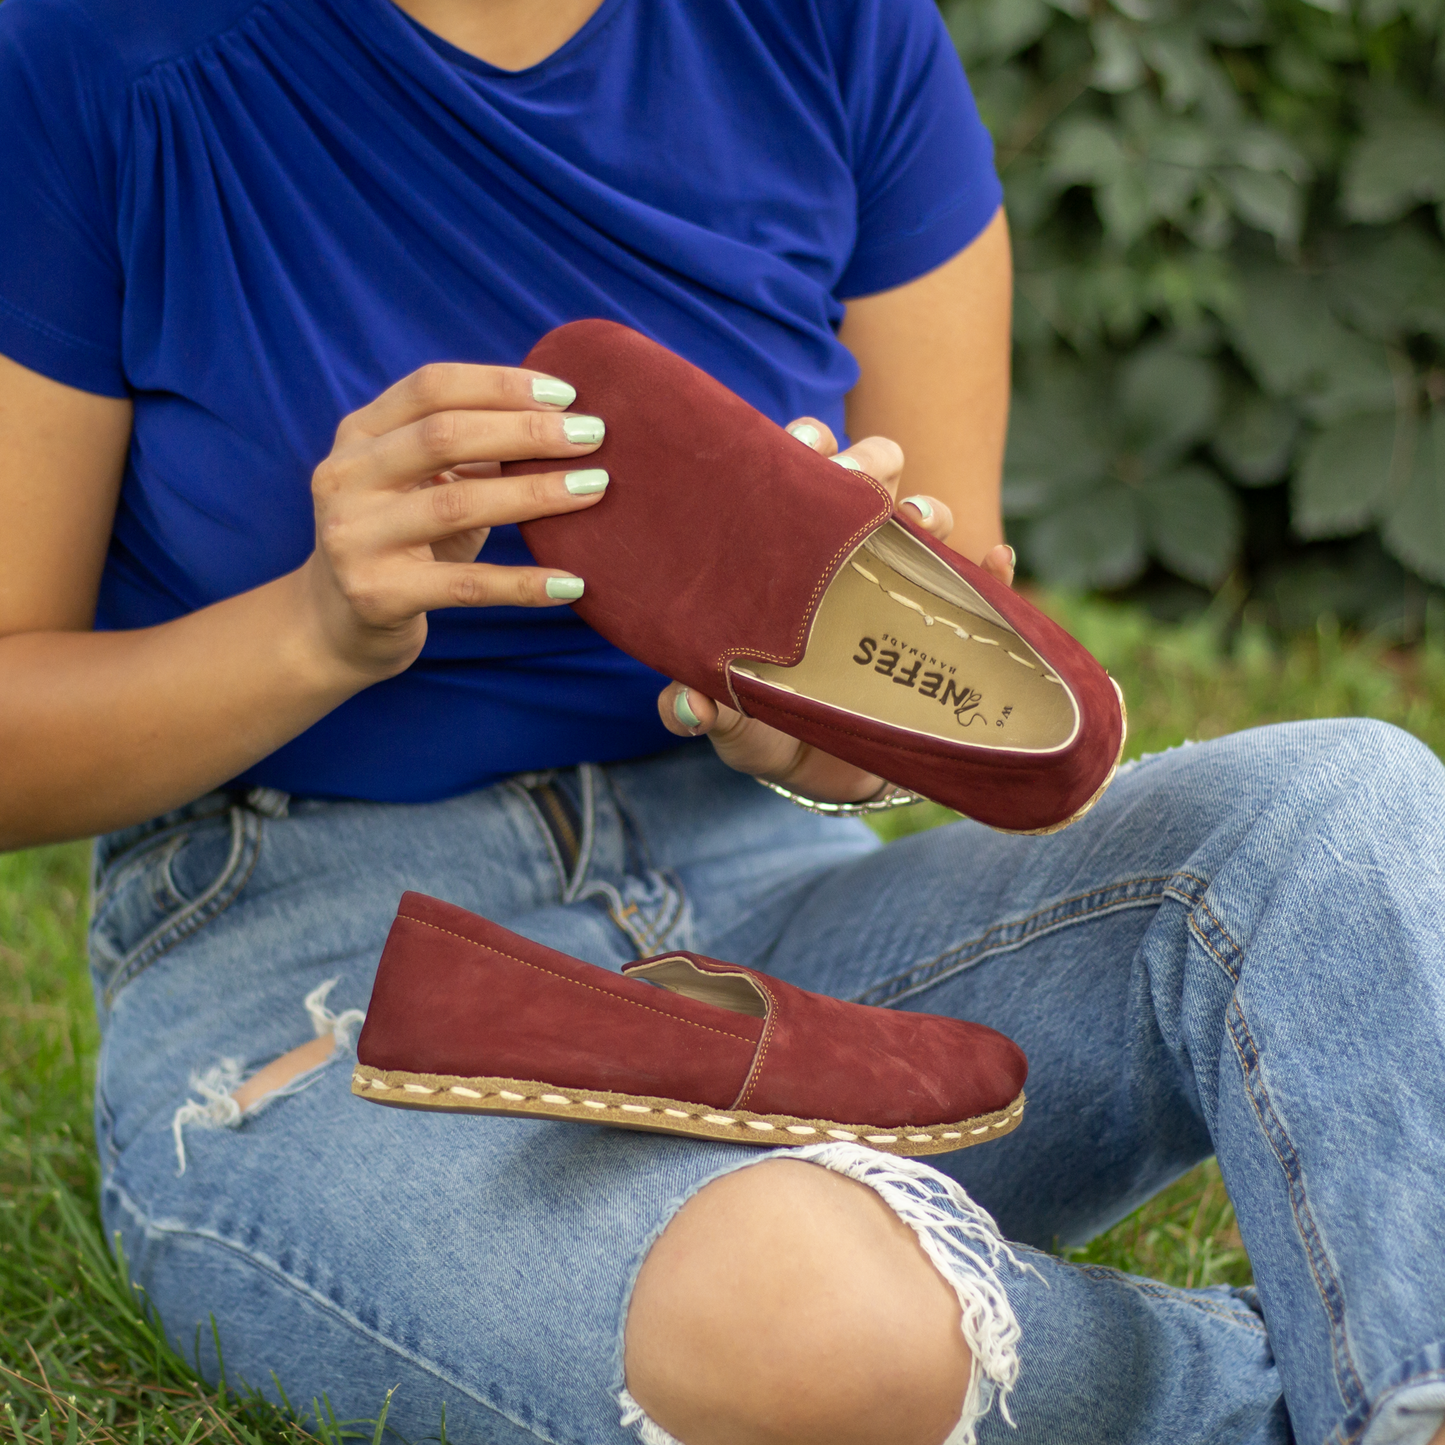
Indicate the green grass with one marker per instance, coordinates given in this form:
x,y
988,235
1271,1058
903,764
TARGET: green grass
x,y
79,1362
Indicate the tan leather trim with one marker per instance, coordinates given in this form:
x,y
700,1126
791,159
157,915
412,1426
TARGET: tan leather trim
x,y
736,992
533,1099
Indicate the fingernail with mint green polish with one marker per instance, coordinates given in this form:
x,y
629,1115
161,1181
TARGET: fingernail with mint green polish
x,y
583,431
1013,557
848,463
584,484
565,589
551,392
682,711
807,433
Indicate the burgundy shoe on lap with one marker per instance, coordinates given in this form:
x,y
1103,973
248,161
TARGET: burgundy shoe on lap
x,y
469,1017
732,558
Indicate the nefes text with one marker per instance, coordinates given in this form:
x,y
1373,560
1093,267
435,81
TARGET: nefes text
x,y
963,700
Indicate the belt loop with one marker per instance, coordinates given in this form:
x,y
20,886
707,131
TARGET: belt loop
x,y
588,776
269,802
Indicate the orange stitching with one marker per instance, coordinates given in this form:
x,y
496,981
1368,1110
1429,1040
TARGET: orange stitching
x,y
740,1038
822,582
1198,933
1214,919
1321,1286
995,937
1213,952
765,1042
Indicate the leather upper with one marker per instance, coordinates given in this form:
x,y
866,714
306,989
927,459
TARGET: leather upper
x,y
719,532
456,994
717,538
822,1058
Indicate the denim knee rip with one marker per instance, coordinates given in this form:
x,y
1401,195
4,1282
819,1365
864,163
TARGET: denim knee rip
x,y
964,1245
217,1107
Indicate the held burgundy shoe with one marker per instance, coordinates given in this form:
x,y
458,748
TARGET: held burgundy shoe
x,y
468,1017
732,558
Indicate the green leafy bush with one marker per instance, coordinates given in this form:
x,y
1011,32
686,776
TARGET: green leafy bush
x,y
1230,311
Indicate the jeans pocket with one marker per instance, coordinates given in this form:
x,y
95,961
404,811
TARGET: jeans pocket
x,y
150,898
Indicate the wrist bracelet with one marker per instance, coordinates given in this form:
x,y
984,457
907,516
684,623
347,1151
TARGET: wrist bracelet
x,y
889,795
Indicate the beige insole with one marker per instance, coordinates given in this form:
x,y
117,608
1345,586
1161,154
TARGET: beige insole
x,y
901,638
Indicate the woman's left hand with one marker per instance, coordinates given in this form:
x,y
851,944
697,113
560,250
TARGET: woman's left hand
x,y
753,747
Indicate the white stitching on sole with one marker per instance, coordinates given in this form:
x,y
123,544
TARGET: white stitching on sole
x,y
361,1082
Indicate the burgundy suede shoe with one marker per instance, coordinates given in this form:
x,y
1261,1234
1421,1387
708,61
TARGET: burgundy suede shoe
x,y
468,1017
732,558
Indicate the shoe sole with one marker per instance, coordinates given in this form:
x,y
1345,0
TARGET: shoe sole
x,y
529,1099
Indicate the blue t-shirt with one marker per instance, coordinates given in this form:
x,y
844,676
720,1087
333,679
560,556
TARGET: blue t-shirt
x,y
252,216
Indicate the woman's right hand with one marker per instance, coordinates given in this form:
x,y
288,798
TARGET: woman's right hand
x,y
410,491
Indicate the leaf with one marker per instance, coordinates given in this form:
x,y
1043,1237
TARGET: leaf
x,y
995,29
1235,23
1301,70
1211,227
1014,25
1270,202
1285,331
1085,152
1058,443
1282,329
1356,376
1182,63
1178,141
1167,401
1194,524
1392,285
1343,472
1256,438
1171,185
1126,207
1096,540
1118,65
1258,148
1415,529
1176,152
1397,164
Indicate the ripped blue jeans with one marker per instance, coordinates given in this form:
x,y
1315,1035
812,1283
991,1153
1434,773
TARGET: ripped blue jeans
x,y
1240,950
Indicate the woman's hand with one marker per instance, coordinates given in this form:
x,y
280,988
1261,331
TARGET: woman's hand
x,y
753,747
410,491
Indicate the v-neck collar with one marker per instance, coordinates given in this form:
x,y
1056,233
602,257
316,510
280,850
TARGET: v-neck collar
x,y
584,36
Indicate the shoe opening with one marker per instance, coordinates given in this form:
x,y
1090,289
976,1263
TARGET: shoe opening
x,y
901,639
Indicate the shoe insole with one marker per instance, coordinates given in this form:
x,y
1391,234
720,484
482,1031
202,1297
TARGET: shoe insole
x,y
900,638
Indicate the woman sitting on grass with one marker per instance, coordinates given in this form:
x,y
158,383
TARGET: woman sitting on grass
x,y
265,270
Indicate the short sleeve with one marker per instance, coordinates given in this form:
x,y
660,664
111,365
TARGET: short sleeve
x,y
922,159
61,284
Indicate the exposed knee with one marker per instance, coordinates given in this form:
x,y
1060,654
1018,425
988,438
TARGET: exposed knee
x,y
786,1305
279,1072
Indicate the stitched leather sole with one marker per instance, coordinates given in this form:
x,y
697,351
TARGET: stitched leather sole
x,y
528,1099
